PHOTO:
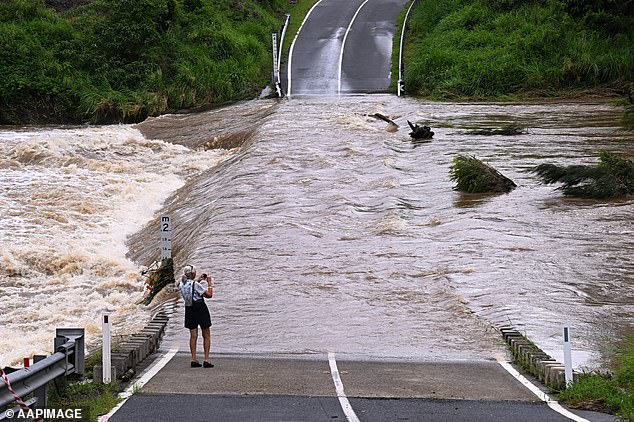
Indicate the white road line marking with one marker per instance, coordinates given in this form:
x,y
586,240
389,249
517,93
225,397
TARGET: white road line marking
x,y
553,404
343,400
143,379
343,45
290,51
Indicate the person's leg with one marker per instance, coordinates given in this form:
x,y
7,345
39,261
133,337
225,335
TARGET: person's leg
x,y
206,342
193,339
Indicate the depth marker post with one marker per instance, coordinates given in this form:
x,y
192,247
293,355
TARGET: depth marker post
x,y
567,355
106,364
166,237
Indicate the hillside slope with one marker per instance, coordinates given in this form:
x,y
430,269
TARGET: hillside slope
x,y
518,48
124,60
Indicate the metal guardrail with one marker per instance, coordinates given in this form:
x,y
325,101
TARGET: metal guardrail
x,y
401,70
68,359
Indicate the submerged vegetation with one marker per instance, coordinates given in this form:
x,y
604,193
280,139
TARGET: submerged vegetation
x,y
473,176
612,177
612,393
509,130
124,60
157,277
516,48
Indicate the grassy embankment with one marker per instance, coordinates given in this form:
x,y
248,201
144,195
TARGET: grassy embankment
x,y
123,60
612,393
517,49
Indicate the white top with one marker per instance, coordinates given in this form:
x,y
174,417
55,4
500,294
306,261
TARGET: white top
x,y
197,290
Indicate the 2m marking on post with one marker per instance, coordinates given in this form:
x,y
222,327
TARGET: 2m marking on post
x,y
166,237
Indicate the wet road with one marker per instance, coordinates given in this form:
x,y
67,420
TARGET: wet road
x,y
344,47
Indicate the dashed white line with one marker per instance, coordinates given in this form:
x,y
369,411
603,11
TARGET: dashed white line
x,y
290,51
341,395
343,45
553,404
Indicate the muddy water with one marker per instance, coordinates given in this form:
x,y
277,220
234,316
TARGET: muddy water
x,y
326,232
69,198
323,230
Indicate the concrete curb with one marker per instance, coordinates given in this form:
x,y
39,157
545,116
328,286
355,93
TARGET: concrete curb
x,y
134,350
534,360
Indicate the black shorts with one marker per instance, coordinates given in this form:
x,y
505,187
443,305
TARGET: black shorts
x,y
196,315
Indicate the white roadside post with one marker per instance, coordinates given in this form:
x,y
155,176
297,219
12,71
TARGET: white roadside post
x,y
106,364
276,73
567,355
166,237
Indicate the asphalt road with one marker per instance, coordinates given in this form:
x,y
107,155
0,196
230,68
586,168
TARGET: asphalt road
x,y
242,388
365,64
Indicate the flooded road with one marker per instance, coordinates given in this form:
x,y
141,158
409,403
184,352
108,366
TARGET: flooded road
x,y
329,233
324,231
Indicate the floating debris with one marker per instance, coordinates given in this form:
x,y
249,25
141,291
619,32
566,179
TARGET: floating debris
x,y
473,176
420,132
510,130
157,277
612,177
392,126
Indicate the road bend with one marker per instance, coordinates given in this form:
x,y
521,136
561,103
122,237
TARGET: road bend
x,y
321,63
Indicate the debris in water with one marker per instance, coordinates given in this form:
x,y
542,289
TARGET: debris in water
x,y
473,176
612,177
157,276
509,130
392,126
420,132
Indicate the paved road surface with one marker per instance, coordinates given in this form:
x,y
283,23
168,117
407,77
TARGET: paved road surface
x,y
316,54
243,388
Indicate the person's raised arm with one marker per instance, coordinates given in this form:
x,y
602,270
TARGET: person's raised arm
x,y
210,288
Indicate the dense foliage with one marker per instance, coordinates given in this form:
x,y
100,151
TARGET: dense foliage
x,y
612,177
497,48
122,60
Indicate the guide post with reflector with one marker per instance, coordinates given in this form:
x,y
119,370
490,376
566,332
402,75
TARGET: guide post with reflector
x,y
106,325
567,356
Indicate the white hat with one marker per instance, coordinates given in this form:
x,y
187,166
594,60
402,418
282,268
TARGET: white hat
x,y
189,269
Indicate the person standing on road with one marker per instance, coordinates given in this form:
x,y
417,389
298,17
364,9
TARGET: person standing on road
x,y
196,311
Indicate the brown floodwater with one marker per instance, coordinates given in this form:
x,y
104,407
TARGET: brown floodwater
x,y
326,232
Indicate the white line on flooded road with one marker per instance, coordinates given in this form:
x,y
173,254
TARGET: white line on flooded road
x,y
343,45
553,404
290,51
341,395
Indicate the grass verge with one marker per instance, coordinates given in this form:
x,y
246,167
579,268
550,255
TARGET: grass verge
x,y
123,60
512,49
92,398
612,393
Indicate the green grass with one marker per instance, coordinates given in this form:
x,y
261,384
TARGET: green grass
x,y
93,399
612,393
510,49
124,60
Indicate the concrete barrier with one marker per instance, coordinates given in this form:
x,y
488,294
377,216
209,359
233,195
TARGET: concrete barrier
x,y
534,360
134,349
